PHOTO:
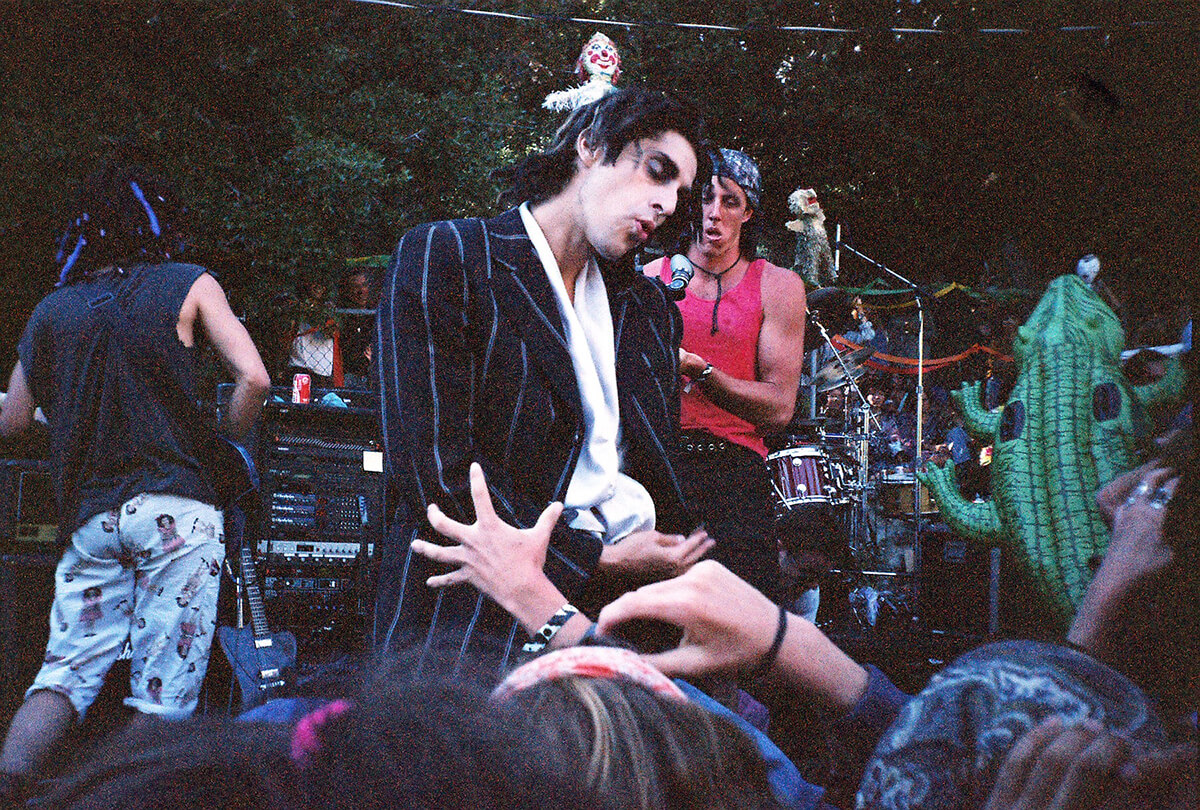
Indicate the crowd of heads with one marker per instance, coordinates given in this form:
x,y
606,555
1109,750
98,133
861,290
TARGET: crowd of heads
x,y
591,727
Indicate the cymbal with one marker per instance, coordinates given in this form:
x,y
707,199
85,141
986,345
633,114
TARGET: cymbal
x,y
829,300
834,308
841,380
831,376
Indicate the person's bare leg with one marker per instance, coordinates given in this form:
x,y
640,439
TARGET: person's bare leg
x,y
38,726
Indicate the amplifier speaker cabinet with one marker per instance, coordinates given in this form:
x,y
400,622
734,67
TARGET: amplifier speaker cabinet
x,y
959,585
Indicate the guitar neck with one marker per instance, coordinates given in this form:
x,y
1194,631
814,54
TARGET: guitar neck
x,y
258,613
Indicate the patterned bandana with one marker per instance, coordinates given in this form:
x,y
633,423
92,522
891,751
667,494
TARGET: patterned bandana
x,y
741,169
945,749
589,662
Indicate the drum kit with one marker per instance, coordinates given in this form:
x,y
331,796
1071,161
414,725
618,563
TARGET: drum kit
x,y
821,469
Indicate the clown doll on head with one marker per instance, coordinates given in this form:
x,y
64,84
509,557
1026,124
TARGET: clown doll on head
x,y
598,67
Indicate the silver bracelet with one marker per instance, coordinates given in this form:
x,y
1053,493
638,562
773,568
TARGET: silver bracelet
x,y
539,640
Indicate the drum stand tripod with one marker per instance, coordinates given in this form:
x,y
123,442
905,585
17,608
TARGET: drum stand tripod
x,y
918,296
858,526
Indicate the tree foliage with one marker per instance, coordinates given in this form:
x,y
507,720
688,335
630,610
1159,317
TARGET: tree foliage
x,y
306,132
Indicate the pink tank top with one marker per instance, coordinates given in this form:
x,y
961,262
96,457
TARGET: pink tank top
x,y
733,350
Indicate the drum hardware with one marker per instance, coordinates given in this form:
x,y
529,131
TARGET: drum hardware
x,y
831,472
834,307
896,496
807,474
848,376
919,295
842,369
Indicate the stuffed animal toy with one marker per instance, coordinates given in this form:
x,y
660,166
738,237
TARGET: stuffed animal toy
x,y
814,259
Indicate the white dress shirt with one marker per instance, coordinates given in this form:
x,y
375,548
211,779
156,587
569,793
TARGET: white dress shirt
x,y
609,502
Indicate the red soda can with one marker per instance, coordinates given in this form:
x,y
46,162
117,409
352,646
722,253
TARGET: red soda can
x,y
301,389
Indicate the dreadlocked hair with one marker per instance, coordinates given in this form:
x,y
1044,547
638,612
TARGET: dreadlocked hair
x,y
122,215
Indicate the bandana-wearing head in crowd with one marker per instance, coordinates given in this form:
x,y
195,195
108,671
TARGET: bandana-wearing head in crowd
x,y
589,662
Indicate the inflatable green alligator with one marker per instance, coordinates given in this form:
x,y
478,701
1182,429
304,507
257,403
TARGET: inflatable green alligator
x,y
1071,425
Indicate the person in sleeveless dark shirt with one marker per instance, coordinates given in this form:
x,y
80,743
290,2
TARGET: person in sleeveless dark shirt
x,y
109,356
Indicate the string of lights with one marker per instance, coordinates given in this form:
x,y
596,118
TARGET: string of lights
x,y
802,29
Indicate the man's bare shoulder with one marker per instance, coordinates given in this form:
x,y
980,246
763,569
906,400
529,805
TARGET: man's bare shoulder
x,y
781,285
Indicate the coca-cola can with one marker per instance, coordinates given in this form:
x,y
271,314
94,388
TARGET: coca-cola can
x,y
301,389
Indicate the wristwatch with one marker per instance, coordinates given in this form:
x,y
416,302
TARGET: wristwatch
x,y
703,375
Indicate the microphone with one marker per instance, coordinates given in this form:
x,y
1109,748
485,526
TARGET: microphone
x,y
681,273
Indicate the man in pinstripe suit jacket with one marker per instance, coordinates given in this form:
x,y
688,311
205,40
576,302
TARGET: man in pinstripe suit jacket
x,y
529,344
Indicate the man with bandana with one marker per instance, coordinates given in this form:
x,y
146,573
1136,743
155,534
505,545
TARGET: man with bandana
x,y
741,359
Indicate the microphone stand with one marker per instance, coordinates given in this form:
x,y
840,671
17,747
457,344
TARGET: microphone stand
x,y
858,516
919,296
841,362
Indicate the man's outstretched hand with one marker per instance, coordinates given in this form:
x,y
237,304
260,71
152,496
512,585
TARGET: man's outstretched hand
x,y
497,558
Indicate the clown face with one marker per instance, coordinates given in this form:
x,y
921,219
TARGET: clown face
x,y
598,59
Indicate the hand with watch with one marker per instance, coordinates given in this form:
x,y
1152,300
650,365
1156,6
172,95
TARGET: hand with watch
x,y
504,562
729,627
694,367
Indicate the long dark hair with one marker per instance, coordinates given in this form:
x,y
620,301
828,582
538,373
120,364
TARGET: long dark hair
x,y
608,124
122,214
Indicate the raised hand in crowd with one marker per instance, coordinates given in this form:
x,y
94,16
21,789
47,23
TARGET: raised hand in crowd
x,y
507,563
499,559
1135,504
728,627
1056,766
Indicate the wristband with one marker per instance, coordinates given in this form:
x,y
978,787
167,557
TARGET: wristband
x,y
539,640
765,663
704,375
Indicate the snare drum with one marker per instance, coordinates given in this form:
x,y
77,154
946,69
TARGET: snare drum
x,y
806,475
896,496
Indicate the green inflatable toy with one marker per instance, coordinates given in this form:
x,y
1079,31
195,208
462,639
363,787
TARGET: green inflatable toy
x,y
1071,425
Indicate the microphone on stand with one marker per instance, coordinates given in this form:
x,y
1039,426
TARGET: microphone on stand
x,y
681,274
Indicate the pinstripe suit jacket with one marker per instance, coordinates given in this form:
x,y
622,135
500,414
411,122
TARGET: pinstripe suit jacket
x,y
474,366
